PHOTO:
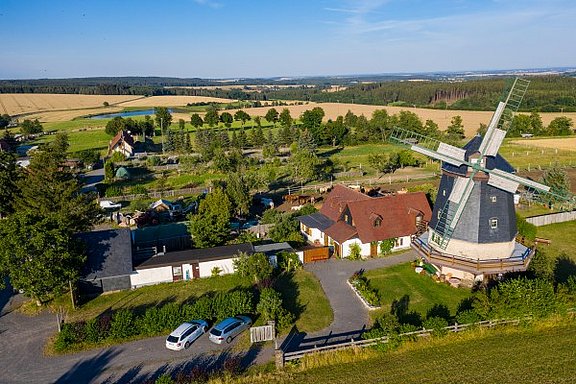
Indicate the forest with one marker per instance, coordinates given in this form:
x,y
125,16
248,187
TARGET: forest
x,y
552,93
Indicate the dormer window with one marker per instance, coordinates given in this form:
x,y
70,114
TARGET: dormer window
x,y
377,222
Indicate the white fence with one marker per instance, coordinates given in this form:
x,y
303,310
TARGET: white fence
x,y
552,218
282,357
263,333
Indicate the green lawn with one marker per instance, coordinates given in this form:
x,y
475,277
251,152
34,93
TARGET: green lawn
x,y
508,356
562,236
303,295
523,157
144,297
395,282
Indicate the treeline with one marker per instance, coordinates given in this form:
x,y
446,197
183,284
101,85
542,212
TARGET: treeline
x,y
546,93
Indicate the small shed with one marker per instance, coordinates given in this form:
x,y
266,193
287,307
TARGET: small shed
x,y
109,263
122,173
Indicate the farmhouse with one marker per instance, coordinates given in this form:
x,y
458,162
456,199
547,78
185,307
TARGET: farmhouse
x,y
123,143
349,217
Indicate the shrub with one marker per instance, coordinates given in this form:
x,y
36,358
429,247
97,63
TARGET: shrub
x,y
437,325
149,323
122,325
226,304
92,331
467,317
153,161
256,265
65,338
270,304
521,297
386,246
114,190
117,157
289,261
216,271
355,252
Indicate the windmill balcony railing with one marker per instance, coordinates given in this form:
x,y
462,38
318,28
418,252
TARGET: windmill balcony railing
x,y
514,263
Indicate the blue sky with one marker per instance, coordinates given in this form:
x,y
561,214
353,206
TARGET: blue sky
x,y
230,39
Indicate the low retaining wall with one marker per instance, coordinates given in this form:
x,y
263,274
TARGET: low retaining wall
x,y
552,218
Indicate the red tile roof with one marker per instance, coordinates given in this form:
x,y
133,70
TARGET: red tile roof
x,y
337,199
340,232
121,136
397,212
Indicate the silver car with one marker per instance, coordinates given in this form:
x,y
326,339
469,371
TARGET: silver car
x,y
186,334
229,328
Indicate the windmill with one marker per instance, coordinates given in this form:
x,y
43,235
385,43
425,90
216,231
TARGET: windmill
x,y
473,228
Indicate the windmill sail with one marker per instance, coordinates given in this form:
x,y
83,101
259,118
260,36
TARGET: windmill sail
x,y
502,116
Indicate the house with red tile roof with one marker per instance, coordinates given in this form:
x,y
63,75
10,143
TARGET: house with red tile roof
x,y
123,142
350,217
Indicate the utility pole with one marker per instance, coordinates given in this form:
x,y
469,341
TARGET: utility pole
x,y
162,133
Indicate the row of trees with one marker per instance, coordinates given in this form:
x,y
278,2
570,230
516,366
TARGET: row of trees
x,y
43,209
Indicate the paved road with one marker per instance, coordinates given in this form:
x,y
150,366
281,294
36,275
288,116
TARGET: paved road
x,y
22,339
350,315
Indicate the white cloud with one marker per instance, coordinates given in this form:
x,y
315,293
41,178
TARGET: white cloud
x,y
209,3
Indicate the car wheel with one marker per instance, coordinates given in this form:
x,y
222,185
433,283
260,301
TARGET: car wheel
x,y
204,329
229,339
187,345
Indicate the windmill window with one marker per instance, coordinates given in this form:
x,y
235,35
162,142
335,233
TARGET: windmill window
x,y
493,223
439,215
493,199
443,192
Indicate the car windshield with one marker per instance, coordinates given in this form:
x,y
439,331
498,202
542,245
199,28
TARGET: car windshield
x,y
172,339
216,332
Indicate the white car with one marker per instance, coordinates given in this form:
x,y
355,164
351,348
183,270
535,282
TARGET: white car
x,y
186,334
107,204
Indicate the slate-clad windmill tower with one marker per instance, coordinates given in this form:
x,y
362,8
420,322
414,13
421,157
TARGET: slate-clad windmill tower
x,y
473,227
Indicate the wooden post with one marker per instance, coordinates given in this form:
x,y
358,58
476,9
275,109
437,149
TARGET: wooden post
x,y
71,294
279,358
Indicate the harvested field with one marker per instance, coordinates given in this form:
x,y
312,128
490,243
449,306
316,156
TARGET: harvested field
x,y
24,103
566,144
471,119
173,101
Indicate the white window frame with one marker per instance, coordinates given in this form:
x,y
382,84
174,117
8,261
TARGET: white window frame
x,y
493,223
493,199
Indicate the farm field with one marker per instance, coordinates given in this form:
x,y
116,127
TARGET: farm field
x,y
564,144
18,103
60,107
535,354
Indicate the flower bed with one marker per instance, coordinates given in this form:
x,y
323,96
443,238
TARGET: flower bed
x,y
367,294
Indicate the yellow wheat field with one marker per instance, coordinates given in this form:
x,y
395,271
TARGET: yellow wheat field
x,y
19,103
173,101
566,144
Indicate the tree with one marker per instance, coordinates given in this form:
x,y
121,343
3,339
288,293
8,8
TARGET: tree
x,y
258,138
48,189
336,131
456,129
304,166
115,125
431,129
196,120
29,127
536,123
39,254
379,125
408,121
558,181
242,116
285,118
109,171
9,176
238,193
163,118
312,120
560,126
227,119
210,227
272,116
211,117
5,120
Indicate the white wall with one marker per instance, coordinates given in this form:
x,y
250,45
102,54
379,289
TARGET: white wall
x,y
364,248
405,244
225,265
315,234
151,276
187,271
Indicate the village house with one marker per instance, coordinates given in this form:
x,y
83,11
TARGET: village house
x,y
123,142
111,265
350,217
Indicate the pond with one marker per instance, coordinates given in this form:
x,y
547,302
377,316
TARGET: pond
x,y
125,114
